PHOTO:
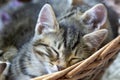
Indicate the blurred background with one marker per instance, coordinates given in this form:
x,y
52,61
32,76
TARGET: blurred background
x,y
114,4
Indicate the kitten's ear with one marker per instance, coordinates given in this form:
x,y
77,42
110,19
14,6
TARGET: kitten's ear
x,y
46,21
95,17
94,39
2,67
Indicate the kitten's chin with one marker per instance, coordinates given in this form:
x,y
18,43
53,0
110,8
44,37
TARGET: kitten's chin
x,y
51,68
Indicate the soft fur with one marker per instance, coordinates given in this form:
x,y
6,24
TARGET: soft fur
x,y
53,47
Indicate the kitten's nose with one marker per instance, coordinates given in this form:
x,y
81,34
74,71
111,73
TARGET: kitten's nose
x,y
60,67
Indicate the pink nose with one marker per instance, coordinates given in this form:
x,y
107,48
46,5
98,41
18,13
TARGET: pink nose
x,y
60,67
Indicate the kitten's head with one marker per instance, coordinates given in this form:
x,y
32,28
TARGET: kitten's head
x,y
89,20
63,45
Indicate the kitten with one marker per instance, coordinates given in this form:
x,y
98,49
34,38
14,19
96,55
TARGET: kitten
x,y
53,47
11,40
90,20
23,25
18,23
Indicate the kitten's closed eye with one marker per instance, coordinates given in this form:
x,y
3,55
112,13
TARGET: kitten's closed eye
x,y
37,43
75,60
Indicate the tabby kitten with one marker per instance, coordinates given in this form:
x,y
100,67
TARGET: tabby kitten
x,y
53,47
90,20
23,25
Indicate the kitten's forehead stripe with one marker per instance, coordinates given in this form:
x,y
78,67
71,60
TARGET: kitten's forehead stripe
x,y
72,36
59,45
67,15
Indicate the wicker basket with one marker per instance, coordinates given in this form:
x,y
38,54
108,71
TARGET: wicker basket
x,y
90,68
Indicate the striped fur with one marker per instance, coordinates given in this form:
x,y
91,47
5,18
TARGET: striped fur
x,y
53,47
22,22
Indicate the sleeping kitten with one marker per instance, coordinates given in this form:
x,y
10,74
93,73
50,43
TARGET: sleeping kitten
x,y
25,26
18,23
53,47
24,34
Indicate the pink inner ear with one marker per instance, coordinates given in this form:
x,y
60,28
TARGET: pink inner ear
x,y
46,15
100,14
46,20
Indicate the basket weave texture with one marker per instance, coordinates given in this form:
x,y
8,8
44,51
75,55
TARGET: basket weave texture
x,y
90,68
